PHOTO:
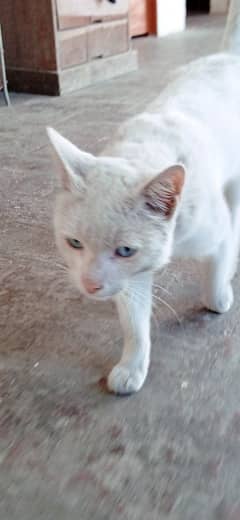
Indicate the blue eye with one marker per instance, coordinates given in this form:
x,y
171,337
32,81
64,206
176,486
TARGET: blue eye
x,y
125,252
73,242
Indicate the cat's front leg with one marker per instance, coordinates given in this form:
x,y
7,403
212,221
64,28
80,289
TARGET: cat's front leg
x,y
134,308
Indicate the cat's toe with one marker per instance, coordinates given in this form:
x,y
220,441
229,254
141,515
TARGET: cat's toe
x,y
123,380
222,302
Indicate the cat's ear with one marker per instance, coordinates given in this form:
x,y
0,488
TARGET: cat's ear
x,y
162,192
72,164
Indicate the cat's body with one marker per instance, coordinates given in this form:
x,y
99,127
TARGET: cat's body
x,y
168,186
195,121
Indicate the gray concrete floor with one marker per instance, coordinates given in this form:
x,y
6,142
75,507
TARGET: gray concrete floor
x,y
69,450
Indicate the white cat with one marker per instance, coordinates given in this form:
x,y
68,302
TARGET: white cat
x,y
168,187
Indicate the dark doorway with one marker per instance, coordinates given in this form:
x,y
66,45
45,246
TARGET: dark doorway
x,y
198,6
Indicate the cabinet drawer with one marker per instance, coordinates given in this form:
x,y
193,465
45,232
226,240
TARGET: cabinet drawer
x,y
77,13
107,39
72,47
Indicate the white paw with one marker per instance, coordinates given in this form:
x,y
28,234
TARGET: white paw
x,y
223,301
126,380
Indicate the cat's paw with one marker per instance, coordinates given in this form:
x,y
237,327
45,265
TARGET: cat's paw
x,y
126,380
222,301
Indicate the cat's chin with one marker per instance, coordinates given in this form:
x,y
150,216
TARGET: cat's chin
x,y
99,298
102,297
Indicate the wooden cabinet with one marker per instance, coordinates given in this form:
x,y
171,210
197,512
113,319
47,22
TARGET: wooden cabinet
x,y
75,13
53,40
91,30
142,17
106,39
72,48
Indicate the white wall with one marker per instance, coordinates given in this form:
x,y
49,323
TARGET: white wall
x,y
171,16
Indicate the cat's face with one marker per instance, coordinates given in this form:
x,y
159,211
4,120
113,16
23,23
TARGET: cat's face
x,y
109,227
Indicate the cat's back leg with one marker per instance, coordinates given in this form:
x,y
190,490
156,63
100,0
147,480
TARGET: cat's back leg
x,y
232,195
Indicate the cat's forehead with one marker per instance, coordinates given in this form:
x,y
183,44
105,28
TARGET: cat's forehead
x,y
108,178
107,190
105,207
105,211
99,220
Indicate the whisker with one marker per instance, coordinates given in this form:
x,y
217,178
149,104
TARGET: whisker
x,y
156,286
61,266
61,274
168,307
155,317
137,297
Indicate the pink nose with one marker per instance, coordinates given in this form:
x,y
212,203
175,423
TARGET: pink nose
x,y
91,286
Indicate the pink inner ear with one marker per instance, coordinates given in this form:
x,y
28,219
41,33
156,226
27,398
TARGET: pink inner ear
x,y
162,192
174,176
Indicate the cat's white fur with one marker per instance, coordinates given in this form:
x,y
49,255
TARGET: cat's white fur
x,y
169,186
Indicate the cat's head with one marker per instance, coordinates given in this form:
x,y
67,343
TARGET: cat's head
x,y
111,223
